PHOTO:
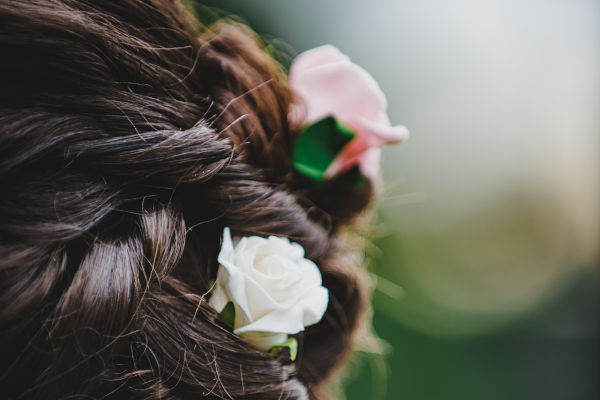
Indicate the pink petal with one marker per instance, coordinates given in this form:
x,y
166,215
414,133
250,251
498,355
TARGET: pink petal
x,y
314,58
338,88
369,163
364,149
377,133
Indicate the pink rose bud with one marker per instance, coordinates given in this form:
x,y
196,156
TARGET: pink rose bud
x,y
328,83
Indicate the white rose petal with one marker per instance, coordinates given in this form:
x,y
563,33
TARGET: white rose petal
x,y
275,290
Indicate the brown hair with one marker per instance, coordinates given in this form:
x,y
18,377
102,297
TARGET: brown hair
x,y
128,140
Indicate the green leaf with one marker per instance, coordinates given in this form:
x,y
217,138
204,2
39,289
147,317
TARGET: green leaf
x,y
228,314
291,344
318,145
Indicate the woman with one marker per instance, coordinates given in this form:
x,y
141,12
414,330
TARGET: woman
x,y
130,138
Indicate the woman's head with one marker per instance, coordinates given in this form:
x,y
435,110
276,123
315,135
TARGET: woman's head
x,y
129,138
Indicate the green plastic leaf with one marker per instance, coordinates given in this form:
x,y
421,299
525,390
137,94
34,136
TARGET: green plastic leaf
x,y
318,145
228,314
291,344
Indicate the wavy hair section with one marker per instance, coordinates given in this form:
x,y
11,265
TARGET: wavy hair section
x,y
128,140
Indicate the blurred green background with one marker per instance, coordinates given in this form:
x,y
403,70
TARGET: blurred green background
x,y
487,253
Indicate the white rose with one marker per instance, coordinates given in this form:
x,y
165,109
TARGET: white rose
x,y
274,289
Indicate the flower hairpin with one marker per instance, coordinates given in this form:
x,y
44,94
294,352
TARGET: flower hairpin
x,y
266,289
343,114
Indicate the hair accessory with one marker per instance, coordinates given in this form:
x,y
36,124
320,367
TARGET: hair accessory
x,y
268,290
343,112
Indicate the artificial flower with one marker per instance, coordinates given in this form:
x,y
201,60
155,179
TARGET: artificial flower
x,y
274,289
327,83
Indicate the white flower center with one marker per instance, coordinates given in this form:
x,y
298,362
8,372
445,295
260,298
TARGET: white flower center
x,y
272,266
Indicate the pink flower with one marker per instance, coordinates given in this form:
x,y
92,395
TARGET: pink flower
x,y
328,83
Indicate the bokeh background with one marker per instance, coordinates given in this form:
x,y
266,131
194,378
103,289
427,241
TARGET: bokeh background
x,y
486,259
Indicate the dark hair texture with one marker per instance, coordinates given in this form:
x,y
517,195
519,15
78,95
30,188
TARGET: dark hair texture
x,y
130,136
